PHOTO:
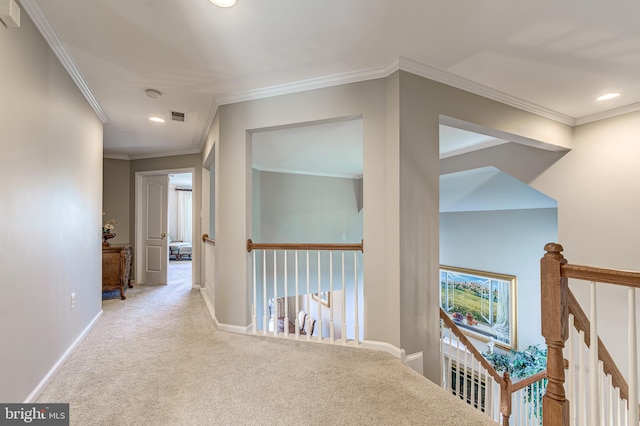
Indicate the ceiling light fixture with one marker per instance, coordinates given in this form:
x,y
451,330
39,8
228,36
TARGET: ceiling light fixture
x,y
153,93
223,3
156,119
608,96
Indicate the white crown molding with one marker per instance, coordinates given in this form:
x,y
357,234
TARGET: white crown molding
x,y
462,83
207,125
116,156
311,84
42,23
153,155
307,172
608,114
403,64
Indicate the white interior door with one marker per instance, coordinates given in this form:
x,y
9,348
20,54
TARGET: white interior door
x,y
155,192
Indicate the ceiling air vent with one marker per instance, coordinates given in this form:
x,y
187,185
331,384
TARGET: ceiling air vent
x,y
178,116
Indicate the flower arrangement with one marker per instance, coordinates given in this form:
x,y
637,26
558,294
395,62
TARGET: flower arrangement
x,y
107,230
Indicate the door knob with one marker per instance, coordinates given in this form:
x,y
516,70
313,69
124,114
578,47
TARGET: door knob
x,y
162,236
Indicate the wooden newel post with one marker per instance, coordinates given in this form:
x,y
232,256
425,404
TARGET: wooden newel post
x,y
505,398
555,329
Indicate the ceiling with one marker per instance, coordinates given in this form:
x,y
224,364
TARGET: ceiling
x,y
551,57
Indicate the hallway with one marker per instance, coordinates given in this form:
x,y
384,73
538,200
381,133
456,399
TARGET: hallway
x,y
156,358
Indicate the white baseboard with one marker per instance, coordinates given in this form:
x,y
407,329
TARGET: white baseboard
x,y
415,362
206,295
384,347
209,299
38,390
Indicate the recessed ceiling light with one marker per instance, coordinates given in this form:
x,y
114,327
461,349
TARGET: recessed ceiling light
x,y
608,96
223,3
156,119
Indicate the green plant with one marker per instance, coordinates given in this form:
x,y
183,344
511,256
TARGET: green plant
x,y
520,365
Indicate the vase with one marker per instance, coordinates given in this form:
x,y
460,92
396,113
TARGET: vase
x,y
105,237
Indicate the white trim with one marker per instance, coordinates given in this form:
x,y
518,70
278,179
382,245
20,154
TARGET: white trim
x,y
155,155
307,173
163,154
116,156
415,362
404,64
42,23
384,347
209,302
462,83
237,329
472,148
608,114
45,380
310,84
207,125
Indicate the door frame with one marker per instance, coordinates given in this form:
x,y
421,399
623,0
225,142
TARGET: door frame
x,y
138,218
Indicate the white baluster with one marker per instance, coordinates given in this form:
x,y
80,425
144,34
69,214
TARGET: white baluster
x,y
571,376
633,358
449,361
457,385
254,318
594,388
285,320
344,304
610,402
265,323
473,383
355,293
331,305
618,408
297,321
308,300
319,304
465,384
581,409
276,305
442,369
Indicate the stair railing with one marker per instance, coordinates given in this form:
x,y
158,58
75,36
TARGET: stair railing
x,y
310,291
597,391
468,375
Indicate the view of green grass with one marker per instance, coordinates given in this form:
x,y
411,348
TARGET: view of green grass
x,y
467,300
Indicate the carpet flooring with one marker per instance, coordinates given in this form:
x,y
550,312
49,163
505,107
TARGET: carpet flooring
x,y
157,359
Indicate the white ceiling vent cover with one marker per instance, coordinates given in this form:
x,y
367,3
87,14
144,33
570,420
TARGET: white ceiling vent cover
x,y
178,116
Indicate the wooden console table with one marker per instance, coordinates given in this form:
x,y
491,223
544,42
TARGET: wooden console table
x,y
117,262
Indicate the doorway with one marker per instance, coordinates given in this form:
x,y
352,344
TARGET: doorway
x,y
180,222
164,224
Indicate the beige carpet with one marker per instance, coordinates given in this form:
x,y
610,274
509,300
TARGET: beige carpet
x,y
157,359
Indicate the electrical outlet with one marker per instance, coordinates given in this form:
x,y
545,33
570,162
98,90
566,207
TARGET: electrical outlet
x,y
73,300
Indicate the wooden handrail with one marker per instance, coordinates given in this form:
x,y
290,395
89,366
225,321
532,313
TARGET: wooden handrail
x,y
304,246
475,352
601,275
206,239
581,323
528,381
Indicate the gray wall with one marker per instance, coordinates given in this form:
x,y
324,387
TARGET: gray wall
x,y
119,195
50,211
507,242
116,197
400,115
597,186
294,208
